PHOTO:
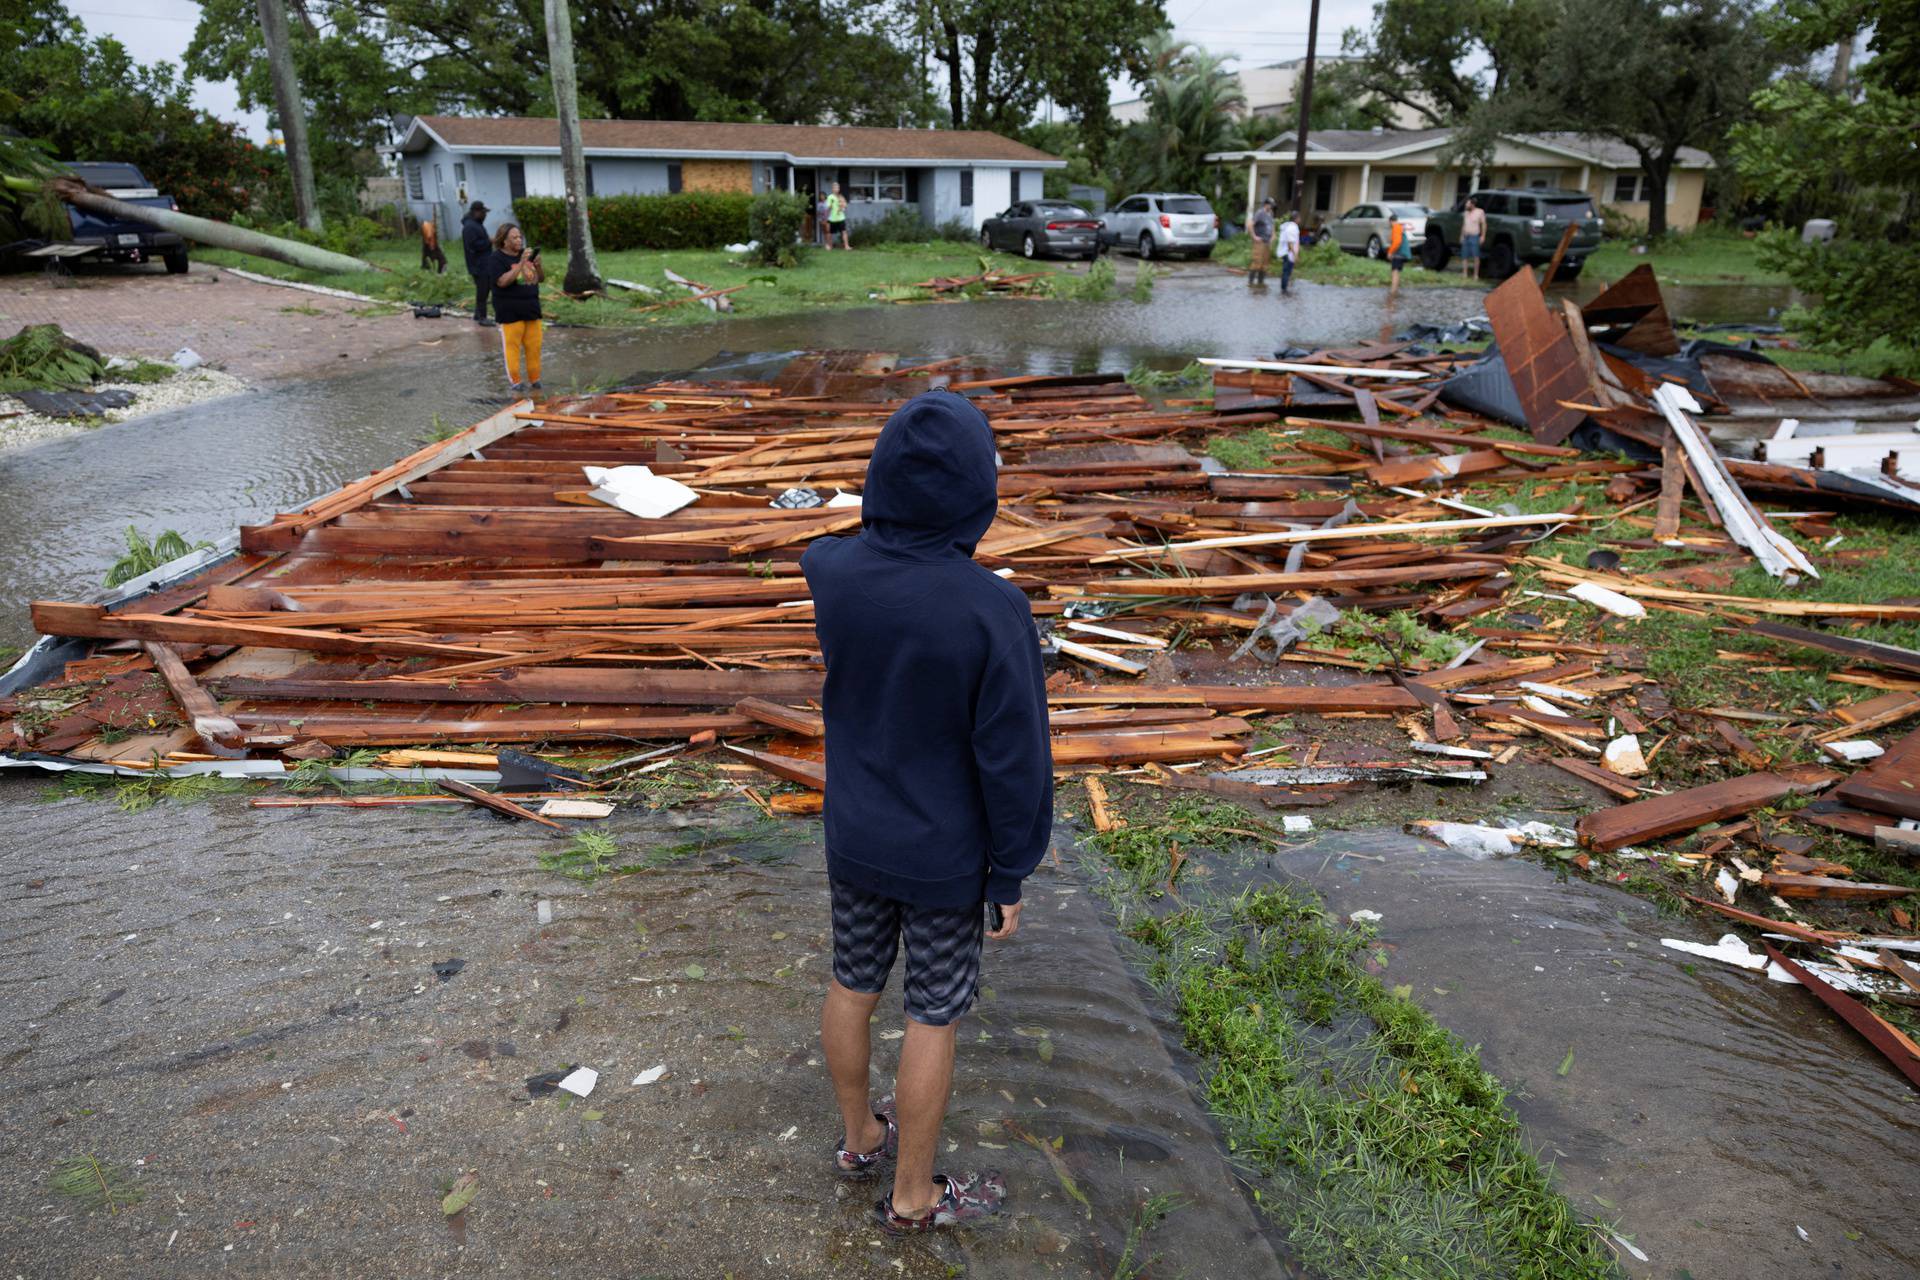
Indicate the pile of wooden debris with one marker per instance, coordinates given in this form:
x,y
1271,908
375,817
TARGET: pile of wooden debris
x,y
616,579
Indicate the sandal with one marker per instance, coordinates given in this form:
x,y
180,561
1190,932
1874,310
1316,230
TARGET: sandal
x,y
967,1199
858,1166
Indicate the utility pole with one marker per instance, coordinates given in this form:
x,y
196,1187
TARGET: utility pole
x,y
583,268
1298,203
291,110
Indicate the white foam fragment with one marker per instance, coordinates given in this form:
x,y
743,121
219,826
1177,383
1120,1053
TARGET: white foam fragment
x,y
637,491
1364,916
1296,822
651,1074
1854,750
580,1081
1612,601
1623,756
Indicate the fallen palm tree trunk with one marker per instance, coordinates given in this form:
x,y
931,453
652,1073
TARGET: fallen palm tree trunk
x,y
205,231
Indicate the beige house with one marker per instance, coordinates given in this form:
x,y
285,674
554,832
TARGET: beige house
x,y
1346,167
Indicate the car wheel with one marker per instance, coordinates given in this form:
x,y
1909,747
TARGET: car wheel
x,y
1569,269
1204,253
1146,246
1027,247
1434,254
1500,260
177,262
986,238
1375,249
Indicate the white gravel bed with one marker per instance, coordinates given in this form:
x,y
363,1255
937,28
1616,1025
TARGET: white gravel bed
x,y
182,389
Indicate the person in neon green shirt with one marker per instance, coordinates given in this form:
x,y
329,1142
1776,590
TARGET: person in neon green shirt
x,y
837,218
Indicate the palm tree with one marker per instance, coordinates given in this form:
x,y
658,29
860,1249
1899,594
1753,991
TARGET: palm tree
x,y
1192,109
583,267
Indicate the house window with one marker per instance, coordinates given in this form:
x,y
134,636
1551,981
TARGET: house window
x,y
439,180
1462,188
673,178
966,188
1540,179
877,184
517,179
459,172
1322,192
1400,188
1631,188
415,191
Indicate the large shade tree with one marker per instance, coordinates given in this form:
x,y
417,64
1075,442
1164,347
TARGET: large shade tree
x,y
1846,151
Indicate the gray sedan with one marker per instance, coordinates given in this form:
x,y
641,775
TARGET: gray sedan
x,y
1363,228
1034,228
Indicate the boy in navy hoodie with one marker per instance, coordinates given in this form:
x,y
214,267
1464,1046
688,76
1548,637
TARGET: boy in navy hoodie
x,y
939,784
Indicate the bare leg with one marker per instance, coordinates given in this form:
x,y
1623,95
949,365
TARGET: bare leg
x,y
845,1033
926,1081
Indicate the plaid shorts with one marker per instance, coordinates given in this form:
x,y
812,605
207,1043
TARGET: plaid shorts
x,y
943,951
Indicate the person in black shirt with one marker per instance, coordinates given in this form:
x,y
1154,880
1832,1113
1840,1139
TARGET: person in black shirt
x,y
474,239
513,272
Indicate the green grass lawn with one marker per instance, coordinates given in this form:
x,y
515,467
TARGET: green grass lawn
x,y
823,280
1706,256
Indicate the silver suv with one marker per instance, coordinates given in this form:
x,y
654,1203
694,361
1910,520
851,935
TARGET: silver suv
x,y
1161,224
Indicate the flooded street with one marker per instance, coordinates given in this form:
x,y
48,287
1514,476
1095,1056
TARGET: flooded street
x,y
295,1029
1707,1110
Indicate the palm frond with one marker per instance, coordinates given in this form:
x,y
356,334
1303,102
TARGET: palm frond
x,y
94,1184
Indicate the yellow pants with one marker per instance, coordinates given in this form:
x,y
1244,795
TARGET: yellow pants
x,y
521,343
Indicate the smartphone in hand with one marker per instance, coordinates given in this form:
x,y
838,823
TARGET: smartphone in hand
x,y
996,918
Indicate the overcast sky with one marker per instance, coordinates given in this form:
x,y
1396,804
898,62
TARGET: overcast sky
x,y
159,31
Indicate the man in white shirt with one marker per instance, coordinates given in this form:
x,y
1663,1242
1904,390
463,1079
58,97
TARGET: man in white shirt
x,y
1289,246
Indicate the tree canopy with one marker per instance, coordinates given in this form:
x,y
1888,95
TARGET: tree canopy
x,y
88,99
364,62
1191,110
1846,152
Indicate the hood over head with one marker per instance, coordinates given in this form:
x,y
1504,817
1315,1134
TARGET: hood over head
x,y
932,483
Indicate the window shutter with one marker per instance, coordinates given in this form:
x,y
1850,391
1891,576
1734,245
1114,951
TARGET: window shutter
x,y
589,182
517,179
1014,188
845,179
966,188
913,186
673,177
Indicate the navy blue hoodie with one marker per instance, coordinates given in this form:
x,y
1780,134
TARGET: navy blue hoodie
x,y
939,768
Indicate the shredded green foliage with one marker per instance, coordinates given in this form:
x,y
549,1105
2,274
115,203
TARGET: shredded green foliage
x,y
144,557
40,358
590,856
1379,641
95,1184
1148,378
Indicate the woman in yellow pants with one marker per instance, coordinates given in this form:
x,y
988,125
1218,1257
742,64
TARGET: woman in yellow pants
x,y
515,270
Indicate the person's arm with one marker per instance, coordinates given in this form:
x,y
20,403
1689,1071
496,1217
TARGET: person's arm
x,y
1014,759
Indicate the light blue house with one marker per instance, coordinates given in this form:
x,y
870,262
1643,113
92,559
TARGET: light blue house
x,y
446,162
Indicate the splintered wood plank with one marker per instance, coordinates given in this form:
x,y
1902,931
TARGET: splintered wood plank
x,y
809,724
1098,804
1673,487
1540,357
499,804
807,773
1685,810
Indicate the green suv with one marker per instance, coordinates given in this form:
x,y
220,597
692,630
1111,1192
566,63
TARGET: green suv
x,y
1523,226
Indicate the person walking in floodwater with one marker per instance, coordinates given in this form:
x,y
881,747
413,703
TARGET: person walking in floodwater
x,y
939,794
1399,249
513,269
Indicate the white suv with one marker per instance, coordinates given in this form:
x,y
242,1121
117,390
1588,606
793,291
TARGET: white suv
x,y
1160,224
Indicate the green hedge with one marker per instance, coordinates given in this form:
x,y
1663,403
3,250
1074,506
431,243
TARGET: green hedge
x,y
689,220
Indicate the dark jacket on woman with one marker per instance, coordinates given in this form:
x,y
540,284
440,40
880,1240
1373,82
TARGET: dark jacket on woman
x,y
939,769
514,302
